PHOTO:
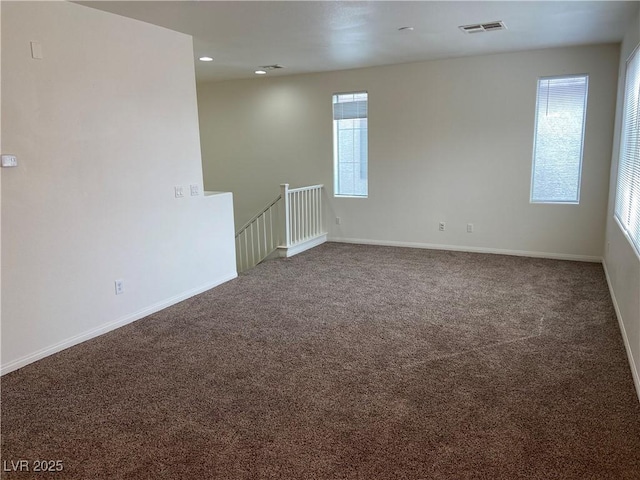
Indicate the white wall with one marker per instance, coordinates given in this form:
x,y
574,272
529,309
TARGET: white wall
x,y
0,179
449,140
622,263
104,127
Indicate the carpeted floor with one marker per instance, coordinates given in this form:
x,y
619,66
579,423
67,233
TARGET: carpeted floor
x,y
347,362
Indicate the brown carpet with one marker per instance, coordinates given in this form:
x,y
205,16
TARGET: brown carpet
x,y
347,362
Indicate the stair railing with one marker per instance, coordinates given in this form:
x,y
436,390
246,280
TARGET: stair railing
x,y
259,237
289,224
303,207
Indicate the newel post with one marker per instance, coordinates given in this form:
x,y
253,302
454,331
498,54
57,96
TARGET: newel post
x,y
284,215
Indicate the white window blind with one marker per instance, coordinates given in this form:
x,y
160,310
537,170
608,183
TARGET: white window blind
x,y
627,209
561,108
350,146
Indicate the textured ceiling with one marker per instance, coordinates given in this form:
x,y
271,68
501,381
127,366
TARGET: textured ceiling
x,y
310,36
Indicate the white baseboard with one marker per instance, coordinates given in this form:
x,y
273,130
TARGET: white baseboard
x,y
107,327
301,247
625,338
458,248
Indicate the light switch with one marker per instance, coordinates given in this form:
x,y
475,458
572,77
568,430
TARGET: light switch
x,y
179,190
195,190
9,161
36,50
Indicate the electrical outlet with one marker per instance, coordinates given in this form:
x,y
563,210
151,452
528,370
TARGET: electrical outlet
x,y
195,190
338,220
441,226
179,190
469,227
119,287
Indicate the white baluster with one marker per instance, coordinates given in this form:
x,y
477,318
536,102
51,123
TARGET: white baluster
x,y
294,218
305,214
258,240
300,217
315,211
319,214
285,222
264,235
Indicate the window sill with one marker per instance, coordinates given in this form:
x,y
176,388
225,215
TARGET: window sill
x,y
543,202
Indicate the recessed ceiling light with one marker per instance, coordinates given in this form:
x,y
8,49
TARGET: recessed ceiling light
x,y
406,29
206,59
260,72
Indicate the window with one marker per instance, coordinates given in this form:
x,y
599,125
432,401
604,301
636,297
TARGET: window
x,y
627,209
350,150
561,108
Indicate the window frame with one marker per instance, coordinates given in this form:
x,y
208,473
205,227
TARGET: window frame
x,y
335,146
635,243
535,138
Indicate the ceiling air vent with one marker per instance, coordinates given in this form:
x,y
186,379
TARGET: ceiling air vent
x,y
489,27
472,28
483,27
271,67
